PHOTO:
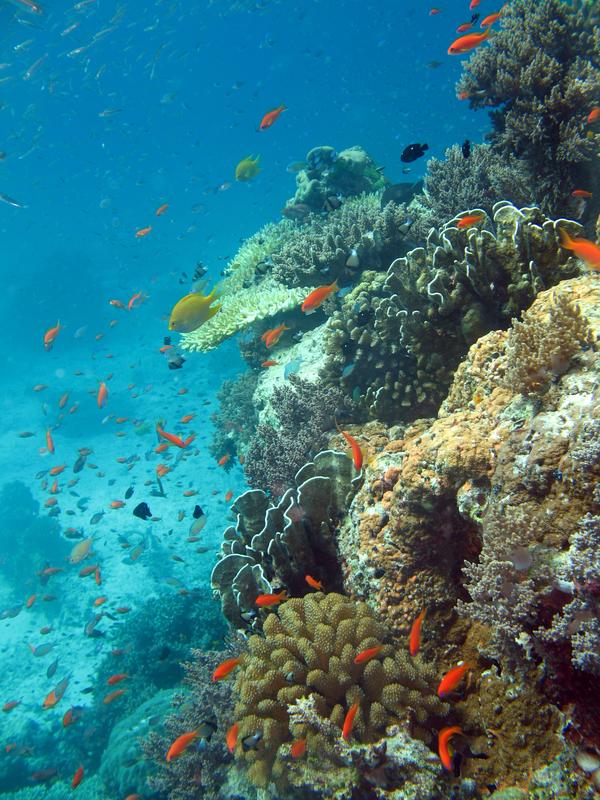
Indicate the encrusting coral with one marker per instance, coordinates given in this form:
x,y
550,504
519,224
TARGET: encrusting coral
x,y
308,649
274,545
538,74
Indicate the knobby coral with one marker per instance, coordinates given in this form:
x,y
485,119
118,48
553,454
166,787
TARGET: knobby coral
x,y
539,73
308,650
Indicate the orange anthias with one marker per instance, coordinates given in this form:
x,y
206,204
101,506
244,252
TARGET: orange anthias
x,y
270,117
349,721
357,456
266,600
584,249
224,668
317,297
452,678
180,744
368,654
465,43
298,748
272,336
51,335
231,737
313,583
469,220
77,778
444,737
102,395
414,639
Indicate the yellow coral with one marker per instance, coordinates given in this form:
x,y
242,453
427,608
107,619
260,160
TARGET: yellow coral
x,y
308,651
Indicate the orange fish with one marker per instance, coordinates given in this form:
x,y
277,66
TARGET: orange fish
x,y
270,117
270,363
469,220
161,209
161,447
317,297
357,456
473,4
265,600
452,678
298,748
63,400
51,700
187,418
228,496
465,43
581,193
223,460
133,301
117,504
117,678
68,718
444,737
143,232
584,249
102,395
180,744
273,335
231,737
83,573
113,696
162,469
10,705
99,601
51,501
368,654
117,303
190,493
463,96
490,19
434,11
172,438
224,668
49,441
51,335
57,470
123,609
593,115
349,721
77,778
313,583
414,639
466,26
97,577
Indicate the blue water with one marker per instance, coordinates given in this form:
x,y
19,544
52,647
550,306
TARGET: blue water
x,y
183,87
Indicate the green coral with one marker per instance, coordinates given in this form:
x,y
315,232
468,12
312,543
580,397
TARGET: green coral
x,y
307,651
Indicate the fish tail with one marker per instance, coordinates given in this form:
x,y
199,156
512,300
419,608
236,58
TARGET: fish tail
x,y
565,239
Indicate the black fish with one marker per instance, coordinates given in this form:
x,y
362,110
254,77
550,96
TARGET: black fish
x,y
412,152
167,340
197,513
96,517
400,193
251,742
466,148
332,203
79,464
129,493
142,511
474,19
175,361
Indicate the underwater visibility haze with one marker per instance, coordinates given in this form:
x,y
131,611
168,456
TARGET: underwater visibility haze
x,y
301,400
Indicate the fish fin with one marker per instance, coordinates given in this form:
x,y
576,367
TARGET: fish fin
x,y
213,310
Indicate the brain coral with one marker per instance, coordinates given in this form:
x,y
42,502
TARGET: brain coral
x,y
308,650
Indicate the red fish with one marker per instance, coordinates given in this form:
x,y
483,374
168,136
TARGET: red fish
x,y
143,232
224,668
317,297
452,678
584,249
49,441
298,748
349,721
270,117
31,600
272,336
473,4
414,639
161,209
270,363
117,678
266,600
51,335
465,43
102,395
228,496
490,19
466,26
172,438
10,705
113,696
593,115
180,744
68,718
223,460
357,456
313,583
135,300
77,778
581,193
231,737
469,220
368,654
444,737
434,11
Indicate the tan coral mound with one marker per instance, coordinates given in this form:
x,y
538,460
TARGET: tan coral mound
x,y
308,650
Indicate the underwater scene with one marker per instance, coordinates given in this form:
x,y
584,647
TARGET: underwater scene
x,y
300,450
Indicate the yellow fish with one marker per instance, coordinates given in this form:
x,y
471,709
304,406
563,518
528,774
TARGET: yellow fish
x,y
247,169
80,551
192,311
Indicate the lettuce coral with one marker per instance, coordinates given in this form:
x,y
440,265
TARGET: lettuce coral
x,y
308,650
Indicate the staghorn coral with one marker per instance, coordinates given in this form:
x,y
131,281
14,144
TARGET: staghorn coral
x,y
308,649
538,74
539,349
321,248
479,181
236,417
278,544
396,343
302,412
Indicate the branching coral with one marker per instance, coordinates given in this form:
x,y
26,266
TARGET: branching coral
x,y
236,418
308,649
274,545
539,349
539,73
304,411
359,233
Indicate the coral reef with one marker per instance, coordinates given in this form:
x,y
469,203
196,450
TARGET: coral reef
x,y
395,343
278,544
236,418
359,234
302,412
538,74
328,174
308,649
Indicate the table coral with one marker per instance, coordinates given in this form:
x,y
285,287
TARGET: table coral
x,y
538,74
308,649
